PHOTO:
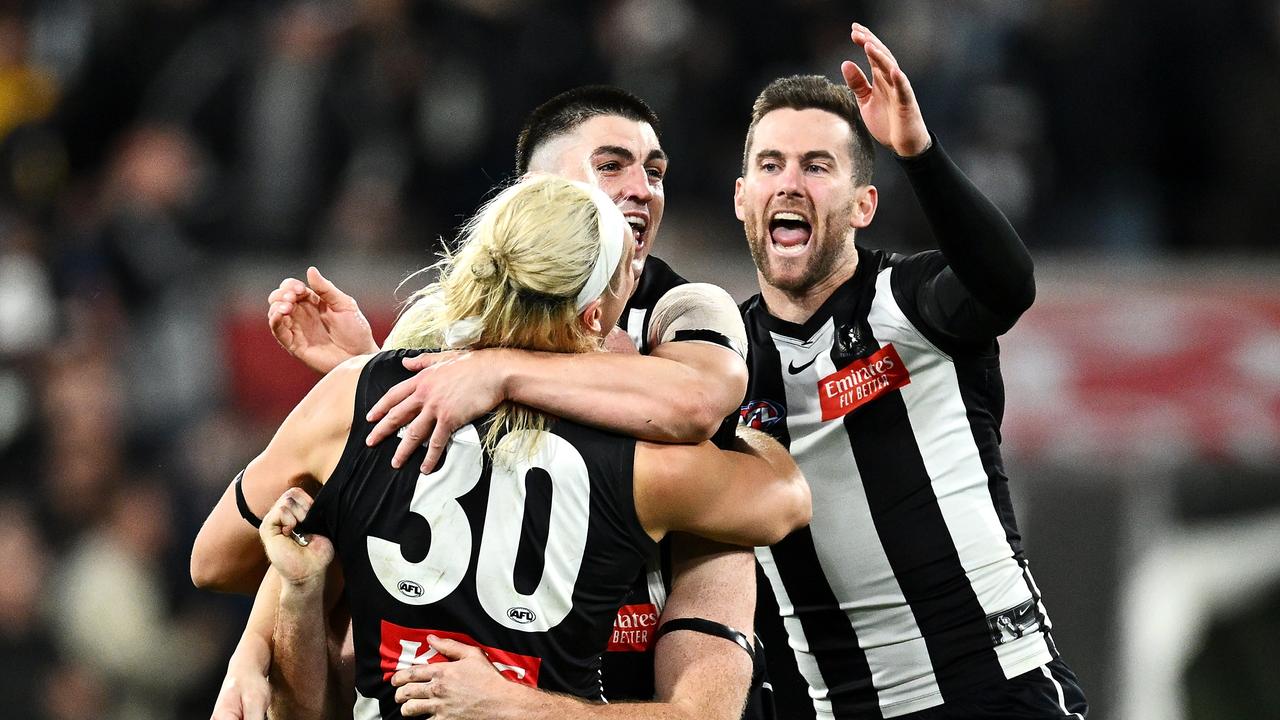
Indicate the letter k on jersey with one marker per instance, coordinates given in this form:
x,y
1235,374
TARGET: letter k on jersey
x,y
402,647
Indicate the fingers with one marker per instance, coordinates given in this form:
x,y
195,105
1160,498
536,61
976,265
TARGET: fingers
x,y
856,80
387,402
287,513
435,447
404,408
421,708
423,426
425,360
328,292
880,69
863,37
453,649
423,673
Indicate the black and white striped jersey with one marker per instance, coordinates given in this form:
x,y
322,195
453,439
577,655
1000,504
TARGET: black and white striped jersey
x,y
656,280
910,585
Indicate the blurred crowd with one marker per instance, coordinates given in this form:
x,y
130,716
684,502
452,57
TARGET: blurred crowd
x,y
147,144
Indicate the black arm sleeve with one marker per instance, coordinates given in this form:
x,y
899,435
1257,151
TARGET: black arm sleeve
x,y
988,280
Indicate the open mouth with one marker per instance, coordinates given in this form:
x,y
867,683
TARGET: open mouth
x,y
640,229
790,232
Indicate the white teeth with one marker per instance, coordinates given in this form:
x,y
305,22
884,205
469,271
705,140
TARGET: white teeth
x,y
789,216
637,222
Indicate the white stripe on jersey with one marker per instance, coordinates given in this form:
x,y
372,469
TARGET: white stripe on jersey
x,y
845,538
1062,699
653,575
365,708
940,424
635,326
796,638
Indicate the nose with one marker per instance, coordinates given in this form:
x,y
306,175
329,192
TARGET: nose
x,y
789,181
636,186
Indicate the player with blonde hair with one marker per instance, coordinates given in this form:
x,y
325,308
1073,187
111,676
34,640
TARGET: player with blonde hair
x,y
534,534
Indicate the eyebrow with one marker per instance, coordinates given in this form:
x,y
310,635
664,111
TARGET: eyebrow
x,y
811,155
626,154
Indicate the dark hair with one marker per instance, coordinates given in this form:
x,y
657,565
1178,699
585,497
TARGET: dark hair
x,y
804,92
566,111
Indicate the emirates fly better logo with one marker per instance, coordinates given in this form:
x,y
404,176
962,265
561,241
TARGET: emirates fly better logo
x,y
862,381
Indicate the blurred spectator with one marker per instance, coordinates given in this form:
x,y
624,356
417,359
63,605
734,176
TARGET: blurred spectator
x,y
112,609
25,641
27,92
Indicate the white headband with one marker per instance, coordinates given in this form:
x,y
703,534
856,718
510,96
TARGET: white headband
x,y
612,224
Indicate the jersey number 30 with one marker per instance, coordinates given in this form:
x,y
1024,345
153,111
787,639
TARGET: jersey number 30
x,y
435,499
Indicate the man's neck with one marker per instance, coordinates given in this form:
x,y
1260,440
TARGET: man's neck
x,y
799,307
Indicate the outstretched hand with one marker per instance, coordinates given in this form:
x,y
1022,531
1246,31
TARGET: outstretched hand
x,y
318,324
887,102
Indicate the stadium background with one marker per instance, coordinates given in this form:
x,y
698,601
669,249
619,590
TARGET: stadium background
x,y
163,163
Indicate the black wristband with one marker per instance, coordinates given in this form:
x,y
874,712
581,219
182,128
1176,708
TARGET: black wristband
x,y
711,336
243,504
708,627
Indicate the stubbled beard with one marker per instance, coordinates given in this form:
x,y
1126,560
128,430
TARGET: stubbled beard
x,y
820,262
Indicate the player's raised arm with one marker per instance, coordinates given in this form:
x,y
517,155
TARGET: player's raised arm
x,y
987,281
695,376
228,554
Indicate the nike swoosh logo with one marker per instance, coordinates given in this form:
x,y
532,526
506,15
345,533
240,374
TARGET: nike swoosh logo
x,y
791,366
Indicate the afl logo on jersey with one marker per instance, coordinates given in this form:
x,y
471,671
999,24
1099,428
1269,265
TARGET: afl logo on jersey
x,y
522,615
761,414
409,588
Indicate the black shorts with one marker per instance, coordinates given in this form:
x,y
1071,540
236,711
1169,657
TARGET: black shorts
x,y
1050,692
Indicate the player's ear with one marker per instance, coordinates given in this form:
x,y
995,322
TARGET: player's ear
x,y
865,200
591,317
739,199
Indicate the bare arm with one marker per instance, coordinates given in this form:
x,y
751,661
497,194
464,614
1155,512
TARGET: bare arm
x,y
753,495
707,677
693,378
245,692
300,660
699,385
227,554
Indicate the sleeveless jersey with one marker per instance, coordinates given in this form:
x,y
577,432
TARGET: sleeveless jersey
x,y
628,660
628,665
527,559
910,585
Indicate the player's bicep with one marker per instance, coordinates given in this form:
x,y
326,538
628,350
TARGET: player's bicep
x,y
721,372
720,495
697,673
712,580
699,326
228,554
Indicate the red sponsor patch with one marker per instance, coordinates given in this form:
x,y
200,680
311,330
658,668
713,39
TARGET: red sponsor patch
x,y
861,382
402,647
633,628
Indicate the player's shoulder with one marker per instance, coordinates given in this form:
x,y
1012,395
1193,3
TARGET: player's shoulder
x,y
914,266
